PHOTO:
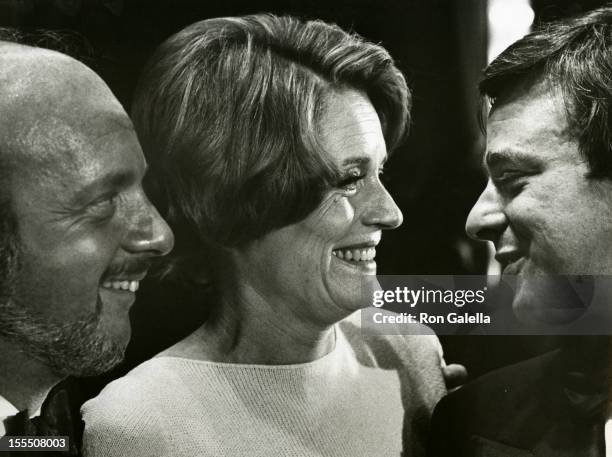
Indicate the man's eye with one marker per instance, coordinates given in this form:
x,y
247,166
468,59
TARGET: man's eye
x,y
510,181
104,207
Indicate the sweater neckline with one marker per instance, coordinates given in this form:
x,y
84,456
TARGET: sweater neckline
x,y
340,347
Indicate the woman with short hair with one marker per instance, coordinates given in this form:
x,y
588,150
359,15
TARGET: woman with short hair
x,y
266,137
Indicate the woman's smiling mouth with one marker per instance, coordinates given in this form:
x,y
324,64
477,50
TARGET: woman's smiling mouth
x,y
360,256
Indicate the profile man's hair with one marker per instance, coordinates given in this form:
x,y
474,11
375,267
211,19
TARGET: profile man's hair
x,y
227,111
574,55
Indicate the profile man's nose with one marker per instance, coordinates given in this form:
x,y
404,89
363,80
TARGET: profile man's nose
x,y
151,233
487,219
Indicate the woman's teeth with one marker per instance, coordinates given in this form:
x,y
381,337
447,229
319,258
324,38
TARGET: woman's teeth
x,y
356,255
132,286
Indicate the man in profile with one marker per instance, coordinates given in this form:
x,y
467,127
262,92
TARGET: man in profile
x,y
547,208
77,232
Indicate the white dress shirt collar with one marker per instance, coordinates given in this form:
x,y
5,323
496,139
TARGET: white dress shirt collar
x,y
608,434
6,409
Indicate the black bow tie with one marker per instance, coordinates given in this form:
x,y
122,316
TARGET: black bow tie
x,y
56,419
19,425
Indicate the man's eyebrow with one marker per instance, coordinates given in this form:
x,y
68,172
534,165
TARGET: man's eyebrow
x,y
493,159
110,181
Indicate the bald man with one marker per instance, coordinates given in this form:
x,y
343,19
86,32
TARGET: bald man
x,y
77,232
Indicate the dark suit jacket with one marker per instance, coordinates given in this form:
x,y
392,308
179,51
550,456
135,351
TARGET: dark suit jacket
x,y
527,409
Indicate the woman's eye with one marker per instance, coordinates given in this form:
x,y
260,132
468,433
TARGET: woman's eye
x,y
382,176
350,181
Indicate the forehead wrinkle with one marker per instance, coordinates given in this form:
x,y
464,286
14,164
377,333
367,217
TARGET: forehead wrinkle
x,y
372,122
40,90
31,74
364,142
532,125
545,97
52,157
352,116
44,137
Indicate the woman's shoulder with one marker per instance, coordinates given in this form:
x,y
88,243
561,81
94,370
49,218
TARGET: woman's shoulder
x,y
135,394
417,359
421,351
124,419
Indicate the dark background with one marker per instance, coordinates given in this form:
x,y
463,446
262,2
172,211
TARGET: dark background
x,y
434,178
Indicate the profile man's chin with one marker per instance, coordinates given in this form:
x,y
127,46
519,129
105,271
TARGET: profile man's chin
x,y
80,348
552,299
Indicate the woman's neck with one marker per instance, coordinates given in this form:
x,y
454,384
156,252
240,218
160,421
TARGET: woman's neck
x,y
244,335
258,331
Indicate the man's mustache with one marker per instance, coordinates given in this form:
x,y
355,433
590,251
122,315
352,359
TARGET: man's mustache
x,y
131,267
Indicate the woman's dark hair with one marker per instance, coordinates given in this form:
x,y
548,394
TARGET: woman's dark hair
x,y
227,112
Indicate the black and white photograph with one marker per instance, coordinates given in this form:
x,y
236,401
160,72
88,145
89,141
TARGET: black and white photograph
x,y
305,228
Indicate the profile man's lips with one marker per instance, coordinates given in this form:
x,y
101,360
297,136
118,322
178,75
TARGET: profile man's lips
x,y
512,267
132,286
506,256
127,283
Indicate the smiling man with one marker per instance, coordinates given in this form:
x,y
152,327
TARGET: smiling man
x,y
547,208
77,232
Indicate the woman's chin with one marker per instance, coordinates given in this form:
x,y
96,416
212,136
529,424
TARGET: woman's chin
x,y
350,282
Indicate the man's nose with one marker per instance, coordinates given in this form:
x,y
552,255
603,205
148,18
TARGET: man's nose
x,y
487,219
382,211
149,232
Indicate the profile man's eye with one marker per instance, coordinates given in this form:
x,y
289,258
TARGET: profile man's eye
x,y
105,206
509,176
510,181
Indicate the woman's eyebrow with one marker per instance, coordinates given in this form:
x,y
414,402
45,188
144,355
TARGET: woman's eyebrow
x,y
357,160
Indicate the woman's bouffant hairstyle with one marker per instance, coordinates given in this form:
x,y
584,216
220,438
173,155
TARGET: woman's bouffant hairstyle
x,y
574,55
227,113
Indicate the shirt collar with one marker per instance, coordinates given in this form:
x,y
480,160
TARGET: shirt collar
x,y
6,409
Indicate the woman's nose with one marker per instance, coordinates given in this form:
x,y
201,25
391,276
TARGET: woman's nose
x,y
382,210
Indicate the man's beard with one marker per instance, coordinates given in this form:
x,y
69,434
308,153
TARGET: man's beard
x,y
71,349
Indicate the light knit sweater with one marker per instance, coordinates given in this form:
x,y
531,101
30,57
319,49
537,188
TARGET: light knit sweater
x,y
359,400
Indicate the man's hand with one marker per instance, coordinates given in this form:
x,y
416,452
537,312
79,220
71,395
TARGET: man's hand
x,y
455,376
